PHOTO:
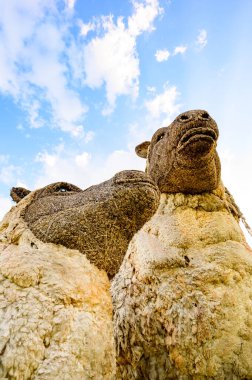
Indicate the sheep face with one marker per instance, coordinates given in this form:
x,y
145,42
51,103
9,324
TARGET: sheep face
x,y
99,221
182,157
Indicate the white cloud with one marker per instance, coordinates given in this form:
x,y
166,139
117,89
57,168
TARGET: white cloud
x,y
201,41
8,174
122,160
143,17
82,159
180,50
88,136
5,205
70,3
41,60
162,55
83,169
8,171
161,110
112,59
86,28
34,67
139,133
164,104
3,158
235,174
151,89
50,159
21,184
35,121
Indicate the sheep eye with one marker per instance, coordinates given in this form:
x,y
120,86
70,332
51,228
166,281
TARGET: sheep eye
x,y
62,189
160,137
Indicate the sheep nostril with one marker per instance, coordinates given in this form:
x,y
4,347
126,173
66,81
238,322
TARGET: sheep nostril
x,y
205,115
184,118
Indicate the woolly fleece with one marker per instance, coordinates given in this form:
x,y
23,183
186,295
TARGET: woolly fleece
x,y
55,309
183,296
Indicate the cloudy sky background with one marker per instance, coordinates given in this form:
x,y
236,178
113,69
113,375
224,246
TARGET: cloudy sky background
x,y
83,82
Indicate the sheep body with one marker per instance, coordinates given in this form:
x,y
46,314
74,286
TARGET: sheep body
x,y
57,248
183,295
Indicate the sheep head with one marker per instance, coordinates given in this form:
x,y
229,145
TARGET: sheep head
x,y
182,157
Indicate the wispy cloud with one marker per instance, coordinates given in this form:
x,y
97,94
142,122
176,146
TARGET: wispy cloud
x,y
86,28
201,40
162,55
151,89
34,66
181,49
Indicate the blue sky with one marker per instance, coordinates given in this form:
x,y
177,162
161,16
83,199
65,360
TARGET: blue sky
x,y
83,82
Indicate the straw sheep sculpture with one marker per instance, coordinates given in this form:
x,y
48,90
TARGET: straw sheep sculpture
x,y
56,246
183,295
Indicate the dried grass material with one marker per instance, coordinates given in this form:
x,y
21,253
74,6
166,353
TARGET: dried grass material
x,y
182,297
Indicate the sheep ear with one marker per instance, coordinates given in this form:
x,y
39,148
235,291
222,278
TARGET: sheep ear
x,y
142,149
18,193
